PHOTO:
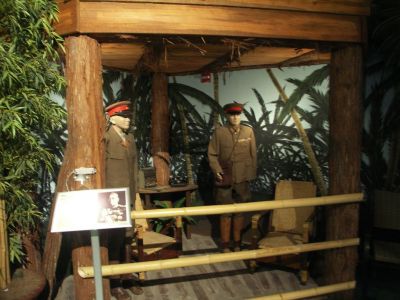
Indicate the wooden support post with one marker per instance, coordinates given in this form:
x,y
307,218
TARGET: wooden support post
x,y
84,149
160,128
345,117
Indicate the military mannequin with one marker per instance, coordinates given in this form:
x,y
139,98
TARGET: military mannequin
x,y
121,171
236,144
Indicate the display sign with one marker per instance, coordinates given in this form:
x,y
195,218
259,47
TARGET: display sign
x,y
91,209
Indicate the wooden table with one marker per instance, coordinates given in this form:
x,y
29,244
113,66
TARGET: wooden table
x,y
162,190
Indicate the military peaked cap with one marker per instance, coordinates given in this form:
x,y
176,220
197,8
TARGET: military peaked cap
x,y
233,108
120,108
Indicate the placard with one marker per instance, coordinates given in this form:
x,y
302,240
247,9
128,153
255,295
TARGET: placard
x,y
91,209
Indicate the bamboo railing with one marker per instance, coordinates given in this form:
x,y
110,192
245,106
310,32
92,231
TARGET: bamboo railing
x,y
156,265
246,207
4,257
222,209
110,270
313,292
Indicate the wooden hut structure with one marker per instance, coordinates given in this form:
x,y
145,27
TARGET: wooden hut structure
x,y
168,37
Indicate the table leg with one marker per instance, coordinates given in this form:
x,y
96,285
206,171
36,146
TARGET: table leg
x,y
147,200
188,204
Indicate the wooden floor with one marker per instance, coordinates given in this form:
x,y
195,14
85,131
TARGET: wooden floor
x,y
231,280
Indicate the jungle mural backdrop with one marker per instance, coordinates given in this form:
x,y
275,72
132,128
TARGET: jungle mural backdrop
x,y
290,122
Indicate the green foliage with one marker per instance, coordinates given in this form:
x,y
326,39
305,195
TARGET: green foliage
x,y
160,223
316,78
16,251
28,116
280,151
199,129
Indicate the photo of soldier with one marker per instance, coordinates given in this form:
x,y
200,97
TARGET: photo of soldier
x,y
114,209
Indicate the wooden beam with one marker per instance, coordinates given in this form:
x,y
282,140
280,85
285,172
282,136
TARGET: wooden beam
x,y
68,17
268,56
346,7
121,56
183,58
346,86
229,58
312,57
188,56
145,18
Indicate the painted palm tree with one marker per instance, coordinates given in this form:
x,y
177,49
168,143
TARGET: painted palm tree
x,y
193,131
381,142
279,150
291,108
317,118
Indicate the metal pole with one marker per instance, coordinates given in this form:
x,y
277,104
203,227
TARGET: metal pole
x,y
98,279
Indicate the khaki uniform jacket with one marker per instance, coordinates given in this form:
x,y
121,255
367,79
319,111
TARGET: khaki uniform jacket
x,y
121,162
243,155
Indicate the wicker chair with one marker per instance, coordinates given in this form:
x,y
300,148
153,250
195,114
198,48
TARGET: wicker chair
x,y
287,227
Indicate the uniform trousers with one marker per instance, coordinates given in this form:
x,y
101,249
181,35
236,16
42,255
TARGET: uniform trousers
x,y
237,193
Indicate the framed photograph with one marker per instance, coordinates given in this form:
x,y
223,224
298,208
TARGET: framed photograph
x,y
92,209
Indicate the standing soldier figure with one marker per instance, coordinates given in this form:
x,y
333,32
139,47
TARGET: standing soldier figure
x,y
121,171
233,144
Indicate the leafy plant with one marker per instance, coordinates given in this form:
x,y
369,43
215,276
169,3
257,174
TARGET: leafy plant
x,y
160,224
318,120
198,128
28,116
278,149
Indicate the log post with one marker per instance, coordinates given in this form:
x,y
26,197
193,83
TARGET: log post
x,y
84,148
345,117
160,128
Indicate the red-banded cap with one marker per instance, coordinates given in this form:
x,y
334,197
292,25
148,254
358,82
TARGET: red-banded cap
x,y
120,108
233,108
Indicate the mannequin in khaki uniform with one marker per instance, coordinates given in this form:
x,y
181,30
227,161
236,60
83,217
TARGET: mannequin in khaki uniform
x,y
121,171
236,143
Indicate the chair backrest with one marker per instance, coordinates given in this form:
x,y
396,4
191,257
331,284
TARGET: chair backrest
x,y
292,219
139,206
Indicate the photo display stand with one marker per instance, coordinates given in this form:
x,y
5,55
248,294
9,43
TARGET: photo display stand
x,y
92,210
